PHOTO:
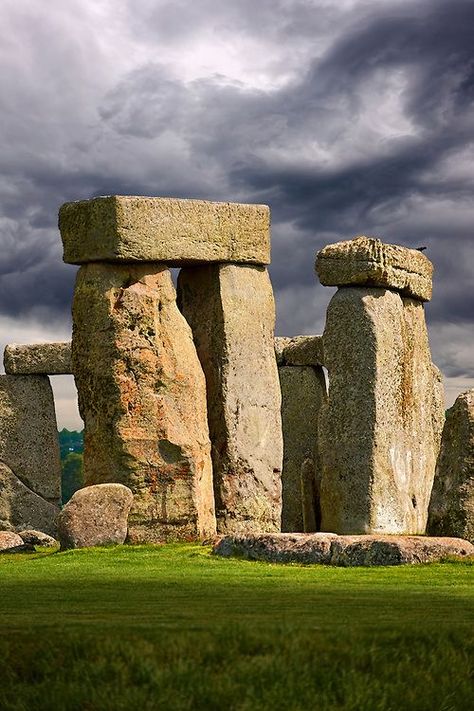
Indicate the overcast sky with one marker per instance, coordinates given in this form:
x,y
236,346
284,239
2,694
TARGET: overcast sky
x,y
345,116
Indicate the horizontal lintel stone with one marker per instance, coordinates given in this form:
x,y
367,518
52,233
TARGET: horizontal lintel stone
x,y
38,359
154,229
367,261
299,350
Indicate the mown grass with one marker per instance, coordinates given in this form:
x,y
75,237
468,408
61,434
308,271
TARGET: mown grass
x,y
172,627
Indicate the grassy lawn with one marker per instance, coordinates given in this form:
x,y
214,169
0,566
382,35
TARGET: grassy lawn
x,y
172,627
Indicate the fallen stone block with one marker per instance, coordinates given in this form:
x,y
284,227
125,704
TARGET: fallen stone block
x,y
231,311
38,538
451,509
142,396
95,516
21,507
10,542
303,392
38,359
367,261
299,350
153,229
379,431
28,433
345,551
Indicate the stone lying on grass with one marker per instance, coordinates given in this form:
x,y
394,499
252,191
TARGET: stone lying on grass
x,y
331,549
95,516
38,538
13,543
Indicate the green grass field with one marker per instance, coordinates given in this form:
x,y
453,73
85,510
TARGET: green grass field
x,y
173,627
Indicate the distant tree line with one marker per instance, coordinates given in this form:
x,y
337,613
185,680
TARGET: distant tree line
x,y
71,447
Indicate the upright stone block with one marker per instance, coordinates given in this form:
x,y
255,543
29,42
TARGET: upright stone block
x,y
379,433
142,397
303,390
451,510
30,475
120,228
231,311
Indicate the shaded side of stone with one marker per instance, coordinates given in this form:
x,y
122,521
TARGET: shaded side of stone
x,y
28,434
21,508
300,350
232,314
344,551
95,516
121,228
142,397
367,261
303,391
379,436
451,510
38,359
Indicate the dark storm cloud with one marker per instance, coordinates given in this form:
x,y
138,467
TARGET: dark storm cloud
x,y
372,134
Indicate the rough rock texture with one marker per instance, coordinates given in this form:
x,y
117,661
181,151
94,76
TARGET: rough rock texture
x,y
30,478
451,510
232,313
329,549
383,413
142,396
303,391
10,541
367,261
20,507
38,359
38,538
299,350
129,229
95,516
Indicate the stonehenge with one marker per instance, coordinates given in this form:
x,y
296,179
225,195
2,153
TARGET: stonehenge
x,y
379,432
153,399
211,423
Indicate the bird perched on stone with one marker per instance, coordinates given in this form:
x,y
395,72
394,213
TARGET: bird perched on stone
x,y
421,249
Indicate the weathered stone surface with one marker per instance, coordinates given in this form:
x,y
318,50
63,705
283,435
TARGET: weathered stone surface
x,y
451,510
20,507
367,261
28,434
38,538
128,229
303,391
95,516
379,433
299,350
10,541
38,359
329,549
232,313
142,396
278,547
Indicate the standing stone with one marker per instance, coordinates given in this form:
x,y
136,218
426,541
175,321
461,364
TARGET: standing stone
x,y
142,397
303,391
379,433
451,511
232,314
30,475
